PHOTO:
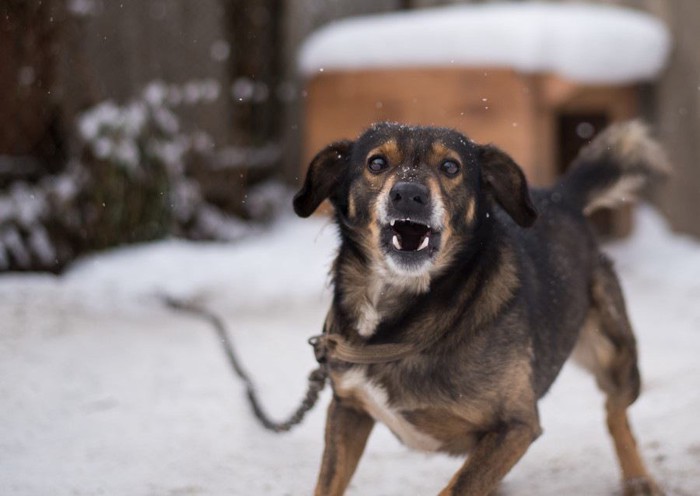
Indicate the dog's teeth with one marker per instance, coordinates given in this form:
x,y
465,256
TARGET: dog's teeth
x,y
392,223
424,244
395,241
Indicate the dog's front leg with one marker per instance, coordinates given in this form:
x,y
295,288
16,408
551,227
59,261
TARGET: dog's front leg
x,y
494,455
347,430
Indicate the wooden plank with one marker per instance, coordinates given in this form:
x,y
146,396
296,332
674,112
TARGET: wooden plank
x,y
130,43
677,111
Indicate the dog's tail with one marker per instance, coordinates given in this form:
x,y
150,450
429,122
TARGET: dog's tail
x,y
614,168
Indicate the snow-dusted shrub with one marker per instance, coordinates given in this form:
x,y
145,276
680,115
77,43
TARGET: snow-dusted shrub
x,y
40,224
128,184
131,152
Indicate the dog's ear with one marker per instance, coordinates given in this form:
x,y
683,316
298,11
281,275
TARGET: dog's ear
x,y
323,177
503,179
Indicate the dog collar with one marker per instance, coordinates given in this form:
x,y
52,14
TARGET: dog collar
x,y
335,347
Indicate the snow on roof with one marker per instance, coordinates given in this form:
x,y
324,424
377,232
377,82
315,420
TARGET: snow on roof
x,y
585,43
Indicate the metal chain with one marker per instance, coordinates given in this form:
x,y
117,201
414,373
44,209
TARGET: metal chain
x,y
317,378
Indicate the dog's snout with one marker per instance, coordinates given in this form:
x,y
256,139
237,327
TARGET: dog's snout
x,y
409,196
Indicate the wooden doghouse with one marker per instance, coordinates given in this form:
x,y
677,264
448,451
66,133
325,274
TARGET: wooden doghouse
x,y
439,67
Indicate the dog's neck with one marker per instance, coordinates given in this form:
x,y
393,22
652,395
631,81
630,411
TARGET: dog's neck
x,y
366,291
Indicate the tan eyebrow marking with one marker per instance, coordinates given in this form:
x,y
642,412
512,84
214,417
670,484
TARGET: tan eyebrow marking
x,y
439,152
389,149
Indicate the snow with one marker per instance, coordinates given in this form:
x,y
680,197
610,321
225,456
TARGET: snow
x,y
220,50
245,89
128,135
22,202
82,8
114,132
584,43
105,391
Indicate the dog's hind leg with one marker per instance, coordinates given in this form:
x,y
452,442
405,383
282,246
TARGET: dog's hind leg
x,y
608,349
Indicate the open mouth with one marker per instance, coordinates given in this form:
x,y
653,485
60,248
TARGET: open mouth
x,y
410,236
409,245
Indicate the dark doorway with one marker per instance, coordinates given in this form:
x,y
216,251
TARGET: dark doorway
x,y
574,131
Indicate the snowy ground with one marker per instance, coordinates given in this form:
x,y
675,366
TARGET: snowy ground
x,y
105,392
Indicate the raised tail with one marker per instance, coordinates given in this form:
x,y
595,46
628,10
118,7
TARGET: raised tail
x,y
614,168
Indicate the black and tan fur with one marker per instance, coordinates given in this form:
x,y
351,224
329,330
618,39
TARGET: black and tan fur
x,y
511,282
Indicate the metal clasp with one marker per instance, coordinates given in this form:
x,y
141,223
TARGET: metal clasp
x,y
320,348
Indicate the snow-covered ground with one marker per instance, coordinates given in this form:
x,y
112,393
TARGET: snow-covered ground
x,y
105,392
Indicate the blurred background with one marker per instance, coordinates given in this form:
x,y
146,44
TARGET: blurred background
x,y
127,121
152,147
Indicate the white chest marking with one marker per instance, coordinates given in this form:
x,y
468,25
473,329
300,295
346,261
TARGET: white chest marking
x,y
375,401
368,320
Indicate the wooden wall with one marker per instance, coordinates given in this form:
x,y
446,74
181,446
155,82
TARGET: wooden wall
x,y
130,43
676,107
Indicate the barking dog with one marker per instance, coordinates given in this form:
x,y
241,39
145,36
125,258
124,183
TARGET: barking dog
x,y
459,293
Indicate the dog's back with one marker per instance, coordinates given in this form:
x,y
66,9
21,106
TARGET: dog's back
x,y
560,253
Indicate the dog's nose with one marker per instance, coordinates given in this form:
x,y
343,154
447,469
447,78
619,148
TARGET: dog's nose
x,y
410,196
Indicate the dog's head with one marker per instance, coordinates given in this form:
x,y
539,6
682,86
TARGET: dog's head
x,y
412,197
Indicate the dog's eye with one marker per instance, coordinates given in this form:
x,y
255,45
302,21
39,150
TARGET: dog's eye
x,y
377,163
450,168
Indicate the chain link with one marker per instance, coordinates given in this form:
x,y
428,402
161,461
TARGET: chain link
x,y
316,380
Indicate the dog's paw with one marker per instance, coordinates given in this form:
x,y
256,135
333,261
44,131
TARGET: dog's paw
x,y
641,486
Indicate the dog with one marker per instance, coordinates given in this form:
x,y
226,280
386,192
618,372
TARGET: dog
x,y
459,293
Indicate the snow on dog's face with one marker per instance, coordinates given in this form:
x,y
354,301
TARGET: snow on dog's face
x,y
411,197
